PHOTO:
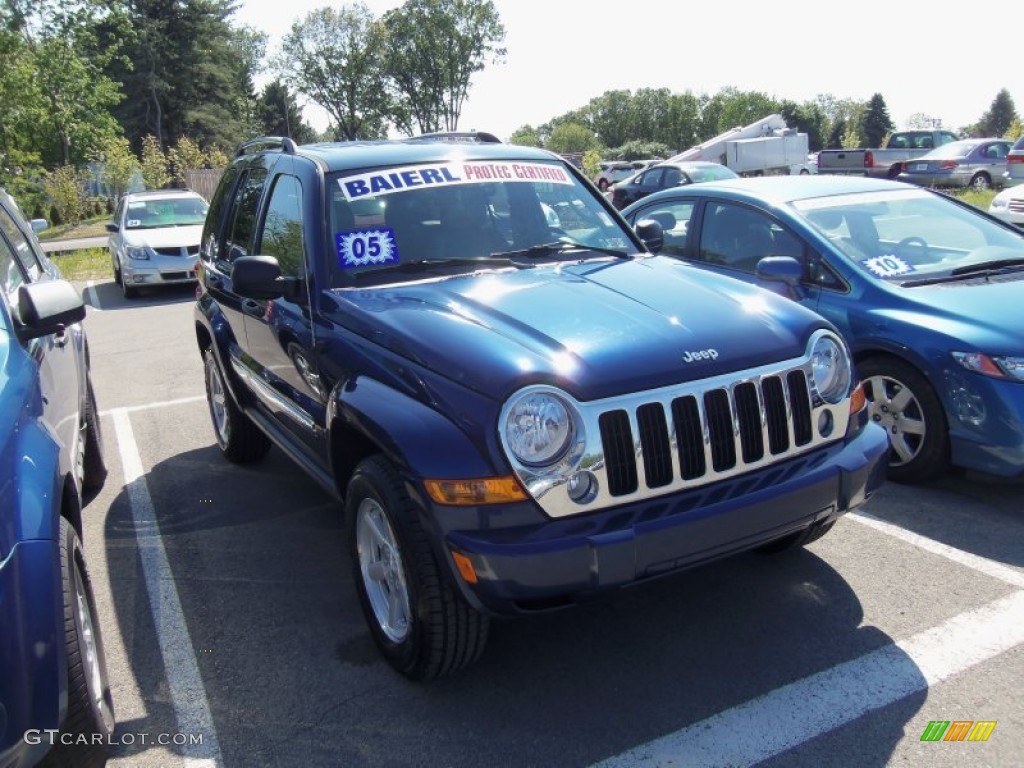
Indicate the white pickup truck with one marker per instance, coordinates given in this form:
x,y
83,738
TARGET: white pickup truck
x,y
884,162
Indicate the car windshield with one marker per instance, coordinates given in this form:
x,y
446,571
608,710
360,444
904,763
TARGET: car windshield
x,y
165,212
904,235
418,221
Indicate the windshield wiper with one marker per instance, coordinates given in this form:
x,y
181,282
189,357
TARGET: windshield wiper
x,y
563,246
988,266
426,265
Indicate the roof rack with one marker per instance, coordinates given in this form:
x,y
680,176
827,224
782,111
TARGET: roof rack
x,y
468,137
261,143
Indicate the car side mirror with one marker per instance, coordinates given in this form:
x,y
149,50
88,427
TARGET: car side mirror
x,y
38,225
112,227
651,233
48,307
780,269
259,277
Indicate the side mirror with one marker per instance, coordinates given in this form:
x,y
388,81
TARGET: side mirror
x,y
48,307
259,277
38,225
651,233
112,227
780,269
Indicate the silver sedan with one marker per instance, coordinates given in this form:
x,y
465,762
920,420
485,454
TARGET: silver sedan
x,y
978,163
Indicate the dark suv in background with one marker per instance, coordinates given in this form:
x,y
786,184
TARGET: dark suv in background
x,y
517,405
55,702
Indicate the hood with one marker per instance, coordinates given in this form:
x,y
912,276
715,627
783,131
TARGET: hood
x,y
597,329
164,237
976,313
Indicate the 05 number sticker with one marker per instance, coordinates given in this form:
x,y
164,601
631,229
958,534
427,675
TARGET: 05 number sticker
x,y
366,248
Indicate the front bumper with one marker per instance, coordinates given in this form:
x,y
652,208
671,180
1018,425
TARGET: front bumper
x,y
32,653
558,562
986,423
167,270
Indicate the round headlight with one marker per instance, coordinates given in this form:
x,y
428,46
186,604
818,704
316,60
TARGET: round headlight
x,y
538,428
830,369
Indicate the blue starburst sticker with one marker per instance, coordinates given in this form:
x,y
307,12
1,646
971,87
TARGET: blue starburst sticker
x,y
366,248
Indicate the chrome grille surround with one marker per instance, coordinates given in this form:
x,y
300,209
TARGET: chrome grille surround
x,y
676,438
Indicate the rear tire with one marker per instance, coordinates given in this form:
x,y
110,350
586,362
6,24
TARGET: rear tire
x,y
239,439
419,621
981,181
89,721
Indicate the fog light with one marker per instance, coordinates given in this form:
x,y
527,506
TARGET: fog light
x,y
826,423
582,487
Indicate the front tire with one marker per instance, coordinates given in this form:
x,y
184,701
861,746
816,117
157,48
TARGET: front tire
x,y
89,721
981,181
418,619
93,470
239,439
901,400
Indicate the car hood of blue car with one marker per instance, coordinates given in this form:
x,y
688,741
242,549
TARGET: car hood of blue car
x,y
597,329
977,313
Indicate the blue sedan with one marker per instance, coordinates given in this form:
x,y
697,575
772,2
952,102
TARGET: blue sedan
x,y
927,290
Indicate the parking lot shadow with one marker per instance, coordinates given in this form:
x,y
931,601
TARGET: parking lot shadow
x,y
258,561
108,296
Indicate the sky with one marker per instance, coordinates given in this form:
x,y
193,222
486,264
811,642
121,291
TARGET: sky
x,y
563,53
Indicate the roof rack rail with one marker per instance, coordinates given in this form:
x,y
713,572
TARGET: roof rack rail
x,y
469,137
261,143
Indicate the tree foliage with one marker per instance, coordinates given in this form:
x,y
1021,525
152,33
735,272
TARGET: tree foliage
x,y
999,117
433,48
569,138
280,115
875,123
65,188
118,166
526,136
334,57
156,173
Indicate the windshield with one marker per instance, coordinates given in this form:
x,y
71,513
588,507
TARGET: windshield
x,y
952,150
905,234
710,173
418,221
167,212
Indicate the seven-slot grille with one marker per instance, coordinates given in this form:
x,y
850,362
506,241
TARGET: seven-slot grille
x,y
717,431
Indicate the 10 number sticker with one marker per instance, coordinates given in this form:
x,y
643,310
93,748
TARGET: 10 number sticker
x,y
888,266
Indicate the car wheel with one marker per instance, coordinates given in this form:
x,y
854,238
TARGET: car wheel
x,y
798,539
89,721
901,400
130,292
117,273
239,439
981,181
92,468
418,619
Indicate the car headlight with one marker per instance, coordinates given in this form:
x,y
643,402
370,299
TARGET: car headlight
x,y
997,366
137,252
538,428
997,204
830,369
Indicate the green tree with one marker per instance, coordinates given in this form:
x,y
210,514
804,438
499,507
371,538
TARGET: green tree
x,y
433,49
571,137
334,57
65,188
526,136
1000,115
118,165
156,172
185,155
875,123
280,115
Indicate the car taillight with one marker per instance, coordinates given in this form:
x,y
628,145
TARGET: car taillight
x,y
869,159
948,165
1014,159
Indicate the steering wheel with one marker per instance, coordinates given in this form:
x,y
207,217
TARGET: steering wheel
x,y
914,249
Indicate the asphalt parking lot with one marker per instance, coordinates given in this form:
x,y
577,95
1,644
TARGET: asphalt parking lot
x,y
234,638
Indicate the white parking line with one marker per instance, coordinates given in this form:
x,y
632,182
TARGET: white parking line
x,y
789,716
966,559
148,406
184,681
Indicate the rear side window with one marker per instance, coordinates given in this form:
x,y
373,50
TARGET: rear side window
x,y
215,216
243,223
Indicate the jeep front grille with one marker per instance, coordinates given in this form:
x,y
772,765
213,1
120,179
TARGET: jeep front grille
x,y
716,429
642,445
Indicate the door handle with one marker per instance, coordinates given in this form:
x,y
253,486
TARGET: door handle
x,y
254,308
